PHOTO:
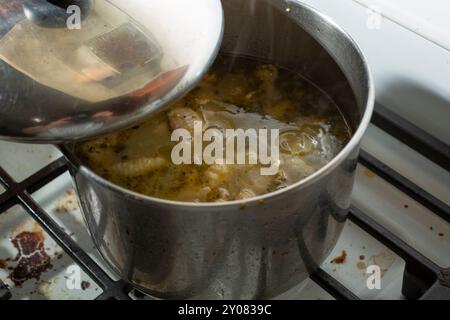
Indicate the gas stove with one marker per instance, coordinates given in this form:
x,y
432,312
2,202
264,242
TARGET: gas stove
x,y
399,220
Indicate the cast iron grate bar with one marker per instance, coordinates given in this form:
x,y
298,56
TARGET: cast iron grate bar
x,y
386,237
413,136
19,193
332,286
94,271
440,289
120,291
400,182
31,184
422,277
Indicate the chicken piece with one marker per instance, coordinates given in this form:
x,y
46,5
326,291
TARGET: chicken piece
x,y
183,118
205,95
266,74
223,195
255,181
100,151
245,194
280,178
203,193
297,143
216,174
138,167
161,129
268,92
233,88
251,96
208,80
193,194
295,167
281,110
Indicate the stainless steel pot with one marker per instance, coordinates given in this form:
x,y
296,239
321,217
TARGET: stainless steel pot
x,y
256,248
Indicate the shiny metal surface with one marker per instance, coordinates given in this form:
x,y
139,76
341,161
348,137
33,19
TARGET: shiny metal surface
x,y
256,248
69,74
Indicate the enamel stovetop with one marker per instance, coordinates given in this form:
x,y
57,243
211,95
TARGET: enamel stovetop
x,y
428,19
406,82
407,45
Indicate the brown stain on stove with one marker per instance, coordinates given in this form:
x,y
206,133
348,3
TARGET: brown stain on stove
x,y
369,173
383,260
361,266
3,264
44,288
31,260
85,285
340,259
67,203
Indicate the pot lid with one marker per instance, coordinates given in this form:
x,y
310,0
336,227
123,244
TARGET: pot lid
x,y
76,69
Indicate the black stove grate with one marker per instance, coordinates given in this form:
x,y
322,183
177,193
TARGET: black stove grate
x,y
422,278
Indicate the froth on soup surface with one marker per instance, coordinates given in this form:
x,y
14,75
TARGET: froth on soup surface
x,y
237,93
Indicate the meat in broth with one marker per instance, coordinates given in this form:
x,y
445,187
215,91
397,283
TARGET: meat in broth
x,y
237,93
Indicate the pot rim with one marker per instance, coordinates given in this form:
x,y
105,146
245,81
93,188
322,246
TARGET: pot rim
x,y
335,162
